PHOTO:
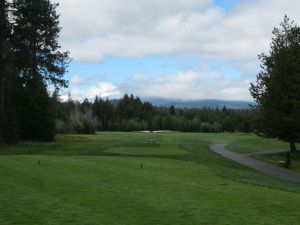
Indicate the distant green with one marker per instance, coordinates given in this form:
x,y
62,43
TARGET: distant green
x,y
98,179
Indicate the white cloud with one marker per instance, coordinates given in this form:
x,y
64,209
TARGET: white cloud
x,y
104,90
140,77
93,29
64,97
190,85
76,79
101,89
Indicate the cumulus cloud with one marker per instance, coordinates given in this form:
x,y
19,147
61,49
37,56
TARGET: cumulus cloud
x,y
93,29
190,85
90,91
103,90
187,84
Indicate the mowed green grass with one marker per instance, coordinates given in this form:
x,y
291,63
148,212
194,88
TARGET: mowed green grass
x,y
154,145
251,143
80,180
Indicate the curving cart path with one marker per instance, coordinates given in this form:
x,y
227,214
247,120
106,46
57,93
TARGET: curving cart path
x,y
263,167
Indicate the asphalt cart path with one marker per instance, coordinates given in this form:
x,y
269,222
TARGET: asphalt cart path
x,y
263,167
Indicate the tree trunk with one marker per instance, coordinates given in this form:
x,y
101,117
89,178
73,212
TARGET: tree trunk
x,y
292,146
2,64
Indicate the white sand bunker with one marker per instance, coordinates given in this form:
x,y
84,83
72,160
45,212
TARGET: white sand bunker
x,y
156,131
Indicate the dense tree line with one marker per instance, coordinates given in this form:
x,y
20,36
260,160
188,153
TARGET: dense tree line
x,y
131,114
31,65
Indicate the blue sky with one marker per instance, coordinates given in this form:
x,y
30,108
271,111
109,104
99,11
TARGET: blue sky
x,y
187,49
226,5
117,69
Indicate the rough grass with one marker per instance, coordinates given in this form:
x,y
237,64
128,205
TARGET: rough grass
x,y
77,180
246,143
275,158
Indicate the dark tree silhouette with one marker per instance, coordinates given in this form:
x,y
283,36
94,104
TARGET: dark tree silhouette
x,y
35,42
39,63
277,89
3,40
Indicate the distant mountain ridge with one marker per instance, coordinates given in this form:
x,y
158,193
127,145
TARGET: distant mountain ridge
x,y
201,103
212,103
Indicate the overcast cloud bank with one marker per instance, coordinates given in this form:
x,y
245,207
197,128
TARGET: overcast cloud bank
x,y
95,29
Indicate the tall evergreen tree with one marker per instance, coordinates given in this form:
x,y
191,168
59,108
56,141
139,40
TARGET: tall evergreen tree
x,y
277,90
35,42
103,110
38,112
39,63
3,37
172,110
12,98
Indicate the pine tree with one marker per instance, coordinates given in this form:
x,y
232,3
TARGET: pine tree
x,y
277,90
39,63
172,110
38,112
3,39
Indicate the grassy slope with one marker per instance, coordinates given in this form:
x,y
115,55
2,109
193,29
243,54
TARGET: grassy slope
x,y
79,181
246,143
